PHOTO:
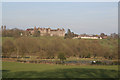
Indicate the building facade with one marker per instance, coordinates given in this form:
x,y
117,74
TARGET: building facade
x,y
47,31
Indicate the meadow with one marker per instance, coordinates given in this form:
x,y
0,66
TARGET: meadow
x,y
48,48
30,70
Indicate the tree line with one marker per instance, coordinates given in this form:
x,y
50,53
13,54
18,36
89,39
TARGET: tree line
x,y
51,47
15,32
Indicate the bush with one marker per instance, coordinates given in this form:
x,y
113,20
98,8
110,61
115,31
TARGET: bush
x,y
98,62
62,57
116,62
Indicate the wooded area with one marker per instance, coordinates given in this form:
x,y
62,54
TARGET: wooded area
x,y
50,47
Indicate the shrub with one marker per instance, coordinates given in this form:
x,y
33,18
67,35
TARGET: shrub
x,y
116,62
62,57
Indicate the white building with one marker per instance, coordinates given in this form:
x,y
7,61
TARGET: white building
x,y
87,37
90,37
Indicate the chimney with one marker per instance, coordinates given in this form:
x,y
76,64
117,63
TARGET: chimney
x,y
4,27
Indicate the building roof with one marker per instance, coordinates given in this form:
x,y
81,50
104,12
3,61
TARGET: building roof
x,y
29,29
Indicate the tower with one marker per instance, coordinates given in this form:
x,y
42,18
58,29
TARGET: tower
x,y
35,28
4,27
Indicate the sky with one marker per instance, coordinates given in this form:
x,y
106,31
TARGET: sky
x,y
80,17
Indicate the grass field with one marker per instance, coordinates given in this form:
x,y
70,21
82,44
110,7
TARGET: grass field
x,y
30,70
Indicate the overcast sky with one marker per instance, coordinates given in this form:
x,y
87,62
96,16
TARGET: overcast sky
x,y
80,17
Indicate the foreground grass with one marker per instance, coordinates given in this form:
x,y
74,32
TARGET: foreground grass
x,y
29,70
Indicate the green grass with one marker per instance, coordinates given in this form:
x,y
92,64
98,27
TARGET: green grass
x,y
29,70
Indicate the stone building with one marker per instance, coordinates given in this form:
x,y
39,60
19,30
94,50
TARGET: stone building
x,y
47,31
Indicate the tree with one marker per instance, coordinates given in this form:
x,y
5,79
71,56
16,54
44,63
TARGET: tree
x,y
8,47
69,34
13,33
62,57
21,46
102,35
114,36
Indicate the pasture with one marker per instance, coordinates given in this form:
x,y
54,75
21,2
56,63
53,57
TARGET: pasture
x,y
30,70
